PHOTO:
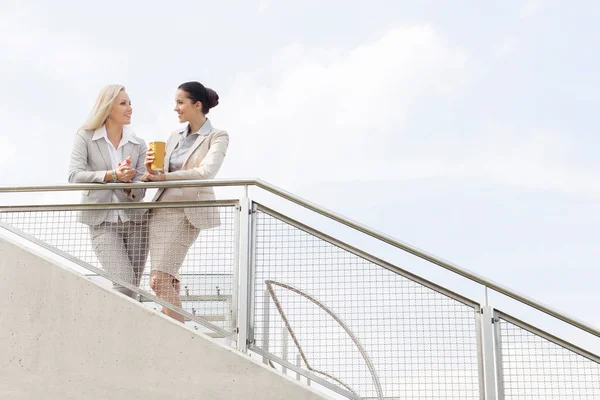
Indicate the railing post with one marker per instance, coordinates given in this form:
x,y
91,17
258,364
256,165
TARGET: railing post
x,y
299,365
284,348
243,284
266,327
490,377
498,349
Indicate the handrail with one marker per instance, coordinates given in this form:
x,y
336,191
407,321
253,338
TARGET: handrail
x,y
429,257
136,185
331,215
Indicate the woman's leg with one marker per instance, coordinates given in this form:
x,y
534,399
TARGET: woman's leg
x,y
110,249
171,236
167,288
136,239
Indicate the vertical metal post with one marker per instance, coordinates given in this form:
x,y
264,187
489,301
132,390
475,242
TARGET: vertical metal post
x,y
481,381
299,364
284,347
236,276
266,327
243,305
498,347
489,358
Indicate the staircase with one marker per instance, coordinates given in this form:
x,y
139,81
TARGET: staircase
x,y
63,336
277,305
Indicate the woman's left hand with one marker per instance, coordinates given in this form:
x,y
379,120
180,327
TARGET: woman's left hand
x,y
153,177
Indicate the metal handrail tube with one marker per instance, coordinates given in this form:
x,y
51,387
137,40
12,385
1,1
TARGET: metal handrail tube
x,y
429,257
117,206
331,215
136,185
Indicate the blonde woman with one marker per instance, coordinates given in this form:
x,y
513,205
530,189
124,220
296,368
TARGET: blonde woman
x,y
106,151
195,152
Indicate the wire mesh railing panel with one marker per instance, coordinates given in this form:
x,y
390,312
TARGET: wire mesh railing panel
x,y
358,325
131,244
535,368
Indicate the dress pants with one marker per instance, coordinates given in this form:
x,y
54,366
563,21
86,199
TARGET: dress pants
x,y
122,249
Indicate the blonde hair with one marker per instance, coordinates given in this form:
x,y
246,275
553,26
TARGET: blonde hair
x,y
102,108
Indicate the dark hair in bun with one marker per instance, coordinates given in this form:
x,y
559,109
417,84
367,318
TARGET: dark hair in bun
x,y
213,98
197,92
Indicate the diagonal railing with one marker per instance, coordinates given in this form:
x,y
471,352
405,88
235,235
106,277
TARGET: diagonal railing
x,y
335,217
418,339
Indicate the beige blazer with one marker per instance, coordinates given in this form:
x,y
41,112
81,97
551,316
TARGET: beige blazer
x,y
90,159
203,161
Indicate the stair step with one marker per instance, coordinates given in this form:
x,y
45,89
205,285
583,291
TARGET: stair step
x,y
199,297
214,335
212,318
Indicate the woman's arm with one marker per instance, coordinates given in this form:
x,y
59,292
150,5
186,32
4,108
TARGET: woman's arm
x,y
140,168
78,165
210,165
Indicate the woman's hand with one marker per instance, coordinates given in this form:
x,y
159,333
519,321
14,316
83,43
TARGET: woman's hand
x,y
153,177
124,171
148,161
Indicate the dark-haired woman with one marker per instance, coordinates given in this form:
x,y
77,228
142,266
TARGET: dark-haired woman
x,y
193,152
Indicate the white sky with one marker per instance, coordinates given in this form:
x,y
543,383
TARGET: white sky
x,y
465,129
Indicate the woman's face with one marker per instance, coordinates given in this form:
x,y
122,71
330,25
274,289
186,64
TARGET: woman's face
x,y
121,109
184,107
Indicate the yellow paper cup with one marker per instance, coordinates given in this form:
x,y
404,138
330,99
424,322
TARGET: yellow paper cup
x,y
159,155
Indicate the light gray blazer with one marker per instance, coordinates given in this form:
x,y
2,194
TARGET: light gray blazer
x,y
203,161
89,162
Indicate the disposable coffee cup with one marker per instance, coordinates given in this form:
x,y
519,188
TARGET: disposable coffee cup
x,y
159,155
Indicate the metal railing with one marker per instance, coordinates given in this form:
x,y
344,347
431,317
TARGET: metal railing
x,y
360,327
207,301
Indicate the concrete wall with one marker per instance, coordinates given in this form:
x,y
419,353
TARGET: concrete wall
x,y
63,336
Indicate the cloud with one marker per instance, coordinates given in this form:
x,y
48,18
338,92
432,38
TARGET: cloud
x,y
510,44
325,114
53,54
12,7
530,8
528,158
508,47
328,113
9,151
263,6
